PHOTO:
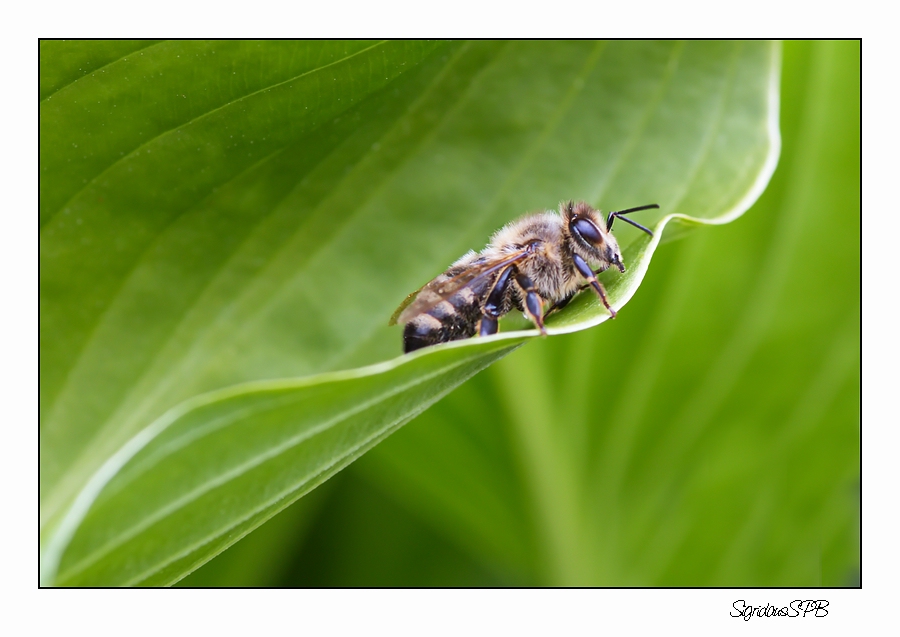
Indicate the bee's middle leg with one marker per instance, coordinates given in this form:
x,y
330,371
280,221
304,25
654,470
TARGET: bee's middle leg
x,y
534,305
563,302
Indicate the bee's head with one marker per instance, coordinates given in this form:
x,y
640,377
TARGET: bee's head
x,y
588,235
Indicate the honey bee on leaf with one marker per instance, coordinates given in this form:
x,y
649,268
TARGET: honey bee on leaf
x,y
545,257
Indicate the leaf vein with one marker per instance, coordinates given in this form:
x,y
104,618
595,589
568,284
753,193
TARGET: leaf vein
x,y
204,115
100,68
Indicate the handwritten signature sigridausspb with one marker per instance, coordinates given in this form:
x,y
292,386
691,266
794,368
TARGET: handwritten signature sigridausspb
x,y
797,608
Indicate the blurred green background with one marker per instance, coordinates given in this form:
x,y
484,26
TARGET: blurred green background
x,y
709,438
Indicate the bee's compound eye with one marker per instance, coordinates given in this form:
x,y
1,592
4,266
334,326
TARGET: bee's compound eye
x,y
587,230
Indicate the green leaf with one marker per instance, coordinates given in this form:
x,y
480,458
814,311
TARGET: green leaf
x,y
163,512
709,437
225,224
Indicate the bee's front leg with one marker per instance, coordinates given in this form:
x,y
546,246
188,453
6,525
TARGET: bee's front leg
x,y
585,270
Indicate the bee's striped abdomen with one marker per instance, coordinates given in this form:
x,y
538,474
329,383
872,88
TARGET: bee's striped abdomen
x,y
450,320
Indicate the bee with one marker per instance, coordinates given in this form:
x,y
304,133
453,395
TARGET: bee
x,y
540,258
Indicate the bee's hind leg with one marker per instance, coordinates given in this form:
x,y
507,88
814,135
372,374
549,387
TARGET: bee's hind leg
x,y
492,309
487,326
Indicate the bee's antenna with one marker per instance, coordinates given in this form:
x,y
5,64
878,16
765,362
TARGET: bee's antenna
x,y
619,215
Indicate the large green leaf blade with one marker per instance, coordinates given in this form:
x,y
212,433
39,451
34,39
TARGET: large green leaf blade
x,y
162,512
709,439
223,271
148,259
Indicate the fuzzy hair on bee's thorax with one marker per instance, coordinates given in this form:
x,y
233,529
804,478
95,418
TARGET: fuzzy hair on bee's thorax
x,y
550,265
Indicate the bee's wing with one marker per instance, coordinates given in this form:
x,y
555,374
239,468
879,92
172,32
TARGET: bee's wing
x,y
430,294
409,299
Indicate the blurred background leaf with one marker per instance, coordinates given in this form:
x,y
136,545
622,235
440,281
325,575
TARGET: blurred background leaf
x,y
255,207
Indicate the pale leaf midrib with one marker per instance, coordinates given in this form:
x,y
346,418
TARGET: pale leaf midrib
x,y
225,477
171,378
